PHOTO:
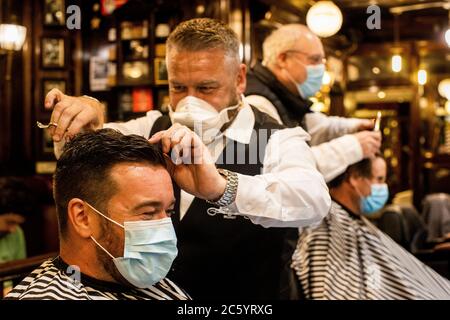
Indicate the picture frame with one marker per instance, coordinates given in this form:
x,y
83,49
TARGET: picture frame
x,y
53,52
98,73
54,13
50,83
160,70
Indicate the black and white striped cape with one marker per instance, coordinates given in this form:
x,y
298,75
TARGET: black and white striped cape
x,y
48,282
347,257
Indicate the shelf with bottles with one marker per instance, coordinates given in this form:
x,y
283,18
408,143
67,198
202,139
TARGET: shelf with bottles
x,y
136,101
134,30
133,55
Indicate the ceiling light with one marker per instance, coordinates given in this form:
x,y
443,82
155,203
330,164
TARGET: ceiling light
x,y
444,88
422,77
324,18
396,63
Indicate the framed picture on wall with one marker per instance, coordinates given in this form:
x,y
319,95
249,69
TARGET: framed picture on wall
x,y
49,84
53,52
160,71
54,13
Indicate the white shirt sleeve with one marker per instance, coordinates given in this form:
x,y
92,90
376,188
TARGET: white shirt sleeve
x,y
290,192
323,128
141,126
333,158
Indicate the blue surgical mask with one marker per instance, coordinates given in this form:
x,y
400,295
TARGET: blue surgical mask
x,y
313,82
377,199
149,251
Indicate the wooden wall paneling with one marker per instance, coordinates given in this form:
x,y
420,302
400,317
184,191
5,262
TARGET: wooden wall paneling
x,y
415,134
27,54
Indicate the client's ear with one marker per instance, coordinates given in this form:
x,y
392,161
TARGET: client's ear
x,y
353,180
79,218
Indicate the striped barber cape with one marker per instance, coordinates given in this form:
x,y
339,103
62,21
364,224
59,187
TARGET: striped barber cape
x,y
53,280
347,257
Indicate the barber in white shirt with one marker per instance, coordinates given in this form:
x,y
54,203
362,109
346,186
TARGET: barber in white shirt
x,y
222,254
292,72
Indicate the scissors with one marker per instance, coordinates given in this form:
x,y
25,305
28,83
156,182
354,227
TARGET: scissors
x,y
377,122
46,126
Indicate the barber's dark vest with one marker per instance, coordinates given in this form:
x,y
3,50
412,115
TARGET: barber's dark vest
x,y
227,256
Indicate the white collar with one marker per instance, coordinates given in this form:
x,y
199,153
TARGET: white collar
x,y
241,128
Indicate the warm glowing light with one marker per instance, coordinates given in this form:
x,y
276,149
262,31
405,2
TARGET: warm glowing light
x,y
444,88
396,63
326,80
324,18
447,37
422,77
447,107
12,36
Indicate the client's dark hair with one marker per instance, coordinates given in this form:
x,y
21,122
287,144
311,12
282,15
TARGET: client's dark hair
x,y
83,171
362,168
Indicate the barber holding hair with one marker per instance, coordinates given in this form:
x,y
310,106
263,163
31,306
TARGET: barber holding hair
x,y
225,208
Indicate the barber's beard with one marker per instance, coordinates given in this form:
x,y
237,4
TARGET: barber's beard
x,y
109,240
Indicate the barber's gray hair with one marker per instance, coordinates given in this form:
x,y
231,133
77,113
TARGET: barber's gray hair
x,y
280,40
202,34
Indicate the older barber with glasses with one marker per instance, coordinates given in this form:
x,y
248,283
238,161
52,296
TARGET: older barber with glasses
x,y
291,73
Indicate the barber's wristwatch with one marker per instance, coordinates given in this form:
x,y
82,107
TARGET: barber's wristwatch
x,y
229,195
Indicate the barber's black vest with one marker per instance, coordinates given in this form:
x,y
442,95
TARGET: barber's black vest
x,y
226,257
290,107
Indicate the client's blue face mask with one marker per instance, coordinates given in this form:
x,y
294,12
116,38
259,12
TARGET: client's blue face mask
x,y
150,248
377,199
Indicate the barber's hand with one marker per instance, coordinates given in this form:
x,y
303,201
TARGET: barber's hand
x,y
365,124
72,114
192,166
10,221
370,142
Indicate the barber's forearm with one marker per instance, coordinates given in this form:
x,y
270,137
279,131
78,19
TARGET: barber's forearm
x,y
323,128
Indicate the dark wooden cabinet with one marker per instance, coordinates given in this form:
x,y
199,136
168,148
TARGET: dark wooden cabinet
x,y
133,38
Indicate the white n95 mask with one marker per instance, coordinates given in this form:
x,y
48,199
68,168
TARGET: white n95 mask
x,y
196,113
149,251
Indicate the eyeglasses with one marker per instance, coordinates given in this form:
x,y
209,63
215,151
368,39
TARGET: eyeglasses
x,y
312,59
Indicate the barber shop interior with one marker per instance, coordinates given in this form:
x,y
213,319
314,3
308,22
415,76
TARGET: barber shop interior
x,y
147,148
